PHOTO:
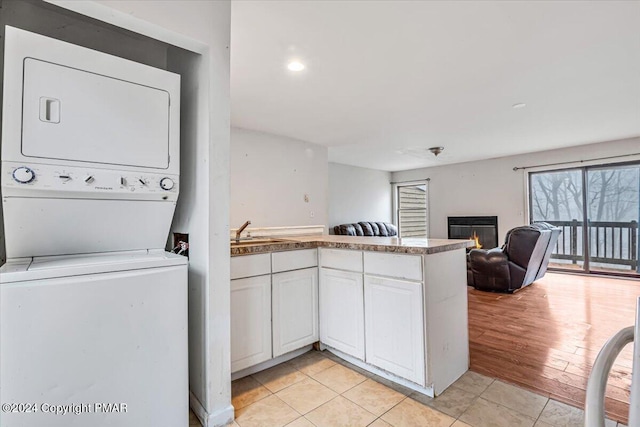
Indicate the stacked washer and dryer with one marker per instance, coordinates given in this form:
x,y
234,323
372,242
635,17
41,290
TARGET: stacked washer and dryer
x,y
93,311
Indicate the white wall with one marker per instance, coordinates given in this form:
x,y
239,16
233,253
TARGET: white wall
x,y
492,187
270,176
202,27
358,194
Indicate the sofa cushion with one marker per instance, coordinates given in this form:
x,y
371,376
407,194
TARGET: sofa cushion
x,y
392,230
345,230
382,229
374,228
367,230
358,229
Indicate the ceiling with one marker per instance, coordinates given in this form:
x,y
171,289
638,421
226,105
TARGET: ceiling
x,y
384,80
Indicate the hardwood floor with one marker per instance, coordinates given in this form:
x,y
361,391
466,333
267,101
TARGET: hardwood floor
x,y
547,336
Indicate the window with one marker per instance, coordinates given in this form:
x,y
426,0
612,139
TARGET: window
x,y
598,210
411,209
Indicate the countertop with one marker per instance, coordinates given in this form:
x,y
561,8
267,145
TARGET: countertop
x,y
378,244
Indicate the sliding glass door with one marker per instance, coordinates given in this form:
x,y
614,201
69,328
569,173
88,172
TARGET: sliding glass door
x,y
598,210
557,197
612,209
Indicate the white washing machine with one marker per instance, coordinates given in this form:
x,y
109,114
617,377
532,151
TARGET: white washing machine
x,y
93,320
94,340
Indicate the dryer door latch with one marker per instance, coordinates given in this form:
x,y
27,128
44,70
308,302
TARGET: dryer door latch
x,y
49,110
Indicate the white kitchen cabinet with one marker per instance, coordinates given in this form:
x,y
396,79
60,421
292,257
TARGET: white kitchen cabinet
x,y
342,311
295,309
250,321
401,316
394,327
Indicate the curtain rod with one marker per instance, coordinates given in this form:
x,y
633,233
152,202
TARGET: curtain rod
x,y
517,168
413,180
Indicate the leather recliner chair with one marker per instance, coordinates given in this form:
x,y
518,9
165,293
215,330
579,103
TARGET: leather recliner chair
x,y
523,259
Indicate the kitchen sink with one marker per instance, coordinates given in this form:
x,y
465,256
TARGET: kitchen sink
x,y
254,242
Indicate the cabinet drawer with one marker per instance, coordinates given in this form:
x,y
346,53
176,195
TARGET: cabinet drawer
x,y
294,260
250,265
393,265
341,259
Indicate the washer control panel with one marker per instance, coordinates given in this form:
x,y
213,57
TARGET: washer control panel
x,y
47,180
167,184
23,175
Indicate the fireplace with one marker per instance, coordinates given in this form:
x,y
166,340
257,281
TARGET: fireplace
x,y
468,227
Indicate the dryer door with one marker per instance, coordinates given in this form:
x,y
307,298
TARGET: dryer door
x,y
70,114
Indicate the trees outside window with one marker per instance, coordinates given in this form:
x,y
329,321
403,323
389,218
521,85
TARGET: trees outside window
x,y
605,200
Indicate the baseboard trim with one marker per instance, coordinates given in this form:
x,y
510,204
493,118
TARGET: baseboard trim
x,y
216,419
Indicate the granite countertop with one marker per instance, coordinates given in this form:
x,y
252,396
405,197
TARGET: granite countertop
x,y
379,244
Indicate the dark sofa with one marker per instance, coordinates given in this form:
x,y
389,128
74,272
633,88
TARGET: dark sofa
x,y
380,229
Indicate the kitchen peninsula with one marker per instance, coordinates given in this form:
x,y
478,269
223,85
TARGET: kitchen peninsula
x,y
395,307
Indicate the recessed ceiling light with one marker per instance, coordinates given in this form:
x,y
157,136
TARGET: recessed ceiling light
x,y
295,66
519,105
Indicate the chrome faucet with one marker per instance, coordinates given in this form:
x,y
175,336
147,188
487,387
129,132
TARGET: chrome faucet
x,y
241,229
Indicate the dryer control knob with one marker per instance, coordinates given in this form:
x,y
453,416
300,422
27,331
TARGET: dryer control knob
x,y
23,175
166,184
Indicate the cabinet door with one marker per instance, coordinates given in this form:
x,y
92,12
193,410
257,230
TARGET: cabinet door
x,y
250,321
295,310
394,327
342,311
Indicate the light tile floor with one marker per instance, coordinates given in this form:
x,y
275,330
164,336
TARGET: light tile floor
x,y
319,389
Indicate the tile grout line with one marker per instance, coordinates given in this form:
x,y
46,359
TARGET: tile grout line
x,y
352,387
286,387
293,367
307,419
521,388
475,399
389,410
541,412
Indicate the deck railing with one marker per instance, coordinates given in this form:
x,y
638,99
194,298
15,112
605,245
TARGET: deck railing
x,y
610,242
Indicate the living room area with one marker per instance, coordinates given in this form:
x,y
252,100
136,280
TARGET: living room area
x,y
544,337
536,117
